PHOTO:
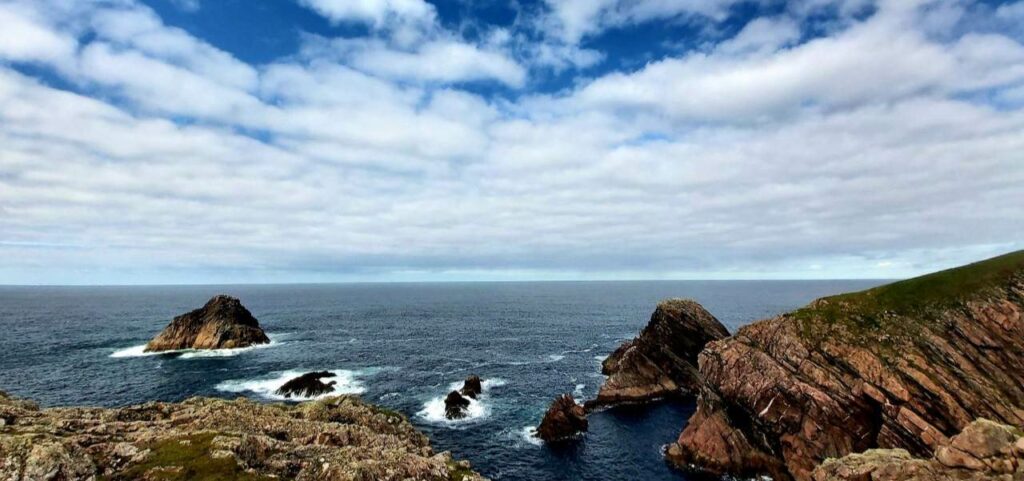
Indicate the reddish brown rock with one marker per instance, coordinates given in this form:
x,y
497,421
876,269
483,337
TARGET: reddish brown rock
x,y
985,450
662,360
223,323
564,420
903,366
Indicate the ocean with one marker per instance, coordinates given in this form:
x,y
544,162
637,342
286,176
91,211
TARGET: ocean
x,y
403,346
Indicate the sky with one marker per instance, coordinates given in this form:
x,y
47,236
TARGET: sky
x,y
230,141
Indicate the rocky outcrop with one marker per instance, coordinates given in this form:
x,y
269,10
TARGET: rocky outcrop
x,y
472,387
339,438
564,420
985,450
307,385
455,405
903,366
662,360
223,323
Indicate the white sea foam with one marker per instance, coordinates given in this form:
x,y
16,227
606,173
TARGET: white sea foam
x,y
555,357
480,408
578,392
346,382
140,351
529,434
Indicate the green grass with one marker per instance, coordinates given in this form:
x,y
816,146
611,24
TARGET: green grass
x,y
889,314
456,472
187,458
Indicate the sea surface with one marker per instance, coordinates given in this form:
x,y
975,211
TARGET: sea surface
x,y
403,346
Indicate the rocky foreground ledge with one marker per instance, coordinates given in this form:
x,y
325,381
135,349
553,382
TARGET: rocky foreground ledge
x,y
903,366
204,439
984,451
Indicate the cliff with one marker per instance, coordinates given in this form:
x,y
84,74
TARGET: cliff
x,y
662,360
902,366
223,323
202,439
984,451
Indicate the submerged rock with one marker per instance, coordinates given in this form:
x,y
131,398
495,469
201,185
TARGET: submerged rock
x,y
455,406
223,323
985,450
564,419
307,385
902,366
662,360
472,387
340,438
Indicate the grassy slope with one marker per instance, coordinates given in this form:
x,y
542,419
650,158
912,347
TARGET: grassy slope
x,y
888,313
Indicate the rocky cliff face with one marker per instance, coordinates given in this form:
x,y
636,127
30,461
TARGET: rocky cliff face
x,y
904,366
984,451
662,360
223,323
339,438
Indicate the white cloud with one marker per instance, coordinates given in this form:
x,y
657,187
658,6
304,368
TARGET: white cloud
x,y
882,59
571,20
141,29
751,156
26,38
374,12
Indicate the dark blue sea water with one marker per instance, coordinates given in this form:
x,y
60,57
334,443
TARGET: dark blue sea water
x,y
398,345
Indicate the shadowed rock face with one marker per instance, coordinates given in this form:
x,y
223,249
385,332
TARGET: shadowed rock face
x,y
564,420
223,323
903,366
472,387
340,438
662,360
985,450
455,406
307,385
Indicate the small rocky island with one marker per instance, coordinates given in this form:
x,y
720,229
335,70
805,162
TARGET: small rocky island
x,y
223,323
564,420
662,361
902,367
456,404
307,385
339,438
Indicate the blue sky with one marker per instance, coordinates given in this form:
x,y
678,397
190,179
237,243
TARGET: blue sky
x,y
202,141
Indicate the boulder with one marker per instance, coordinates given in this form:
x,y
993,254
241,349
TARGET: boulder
x,y
223,323
985,450
455,406
564,420
307,385
472,387
662,360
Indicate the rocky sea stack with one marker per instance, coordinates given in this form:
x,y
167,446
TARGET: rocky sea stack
x,y
564,420
455,405
902,366
223,323
307,385
340,438
662,360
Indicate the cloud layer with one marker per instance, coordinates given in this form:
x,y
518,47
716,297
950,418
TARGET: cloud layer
x,y
886,143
